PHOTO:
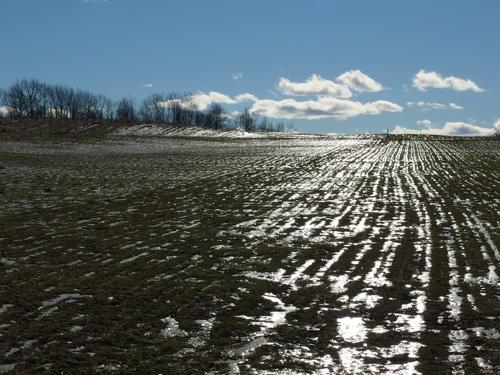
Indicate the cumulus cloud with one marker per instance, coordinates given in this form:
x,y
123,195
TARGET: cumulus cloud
x,y
358,81
424,106
147,85
237,76
314,86
246,98
332,98
203,100
449,128
424,80
322,107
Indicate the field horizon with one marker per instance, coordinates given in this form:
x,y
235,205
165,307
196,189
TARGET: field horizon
x,y
26,128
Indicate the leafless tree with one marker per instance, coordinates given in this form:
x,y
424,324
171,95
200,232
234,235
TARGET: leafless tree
x,y
174,108
34,99
153,109
58,97
104,108
189,110
26,98
125,110
216,116
246,120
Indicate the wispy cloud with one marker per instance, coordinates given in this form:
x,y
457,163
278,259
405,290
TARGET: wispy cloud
x,y
425,106
273,93
148,85
237,76
424,80
95,1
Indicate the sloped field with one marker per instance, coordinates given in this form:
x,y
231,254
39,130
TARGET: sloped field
x,y
365,255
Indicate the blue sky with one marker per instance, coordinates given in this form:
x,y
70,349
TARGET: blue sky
x,y
118,47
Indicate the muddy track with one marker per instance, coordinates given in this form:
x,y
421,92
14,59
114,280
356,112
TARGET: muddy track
x,y
347,256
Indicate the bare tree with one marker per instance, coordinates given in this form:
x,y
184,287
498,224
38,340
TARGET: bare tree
x,y
246,120
104,108
58,97
216,116
174,108
153,109
34,99
189,110
74,102
26,98
125,110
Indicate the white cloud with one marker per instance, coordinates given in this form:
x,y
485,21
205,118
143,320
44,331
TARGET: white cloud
x,y
358,81
424,106
322,107
449,128
203,100
237,76
246,97
331,99
424,80
147,85
95,1
314,86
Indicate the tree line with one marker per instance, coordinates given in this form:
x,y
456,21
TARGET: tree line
x,y
33,99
